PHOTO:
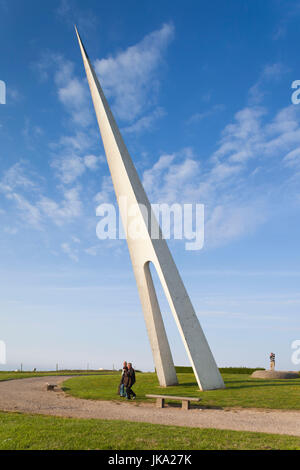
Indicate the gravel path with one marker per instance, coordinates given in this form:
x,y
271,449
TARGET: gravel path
x,y
30,396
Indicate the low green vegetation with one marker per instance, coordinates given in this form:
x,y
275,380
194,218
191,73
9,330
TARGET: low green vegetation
x,y
4,375
241,390
223,370
35,432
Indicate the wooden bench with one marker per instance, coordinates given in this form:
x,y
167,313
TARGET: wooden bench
x,y
160,400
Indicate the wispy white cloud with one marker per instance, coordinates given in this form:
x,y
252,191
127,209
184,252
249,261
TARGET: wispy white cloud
x,y
73,95
29,213
92,161
130,78
228,182
78,142
225,181
229,222
92,250
106,192
293,158
66,210
253,135
291,13
10,230
240,137
32,134
70,167
71,13
70,157
179,178
195,118
144,123
13,95
24,188
172,177
136,80
71,252
18,176
149,176
19,179
270,73
72,92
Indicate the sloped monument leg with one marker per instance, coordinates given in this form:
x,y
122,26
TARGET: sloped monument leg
x,y
155,327
203,363
127,185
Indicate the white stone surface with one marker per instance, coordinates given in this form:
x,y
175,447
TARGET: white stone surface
x,y
143,251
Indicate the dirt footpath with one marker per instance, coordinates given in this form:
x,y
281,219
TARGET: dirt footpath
x,y
30,396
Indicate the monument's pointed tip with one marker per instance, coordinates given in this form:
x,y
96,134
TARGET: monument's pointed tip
x,y
77,34
80,41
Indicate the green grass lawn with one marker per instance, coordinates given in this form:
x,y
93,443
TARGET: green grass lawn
x,y
241,390
20,431
34,432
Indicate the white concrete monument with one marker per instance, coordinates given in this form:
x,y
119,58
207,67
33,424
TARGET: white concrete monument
x,y
145,249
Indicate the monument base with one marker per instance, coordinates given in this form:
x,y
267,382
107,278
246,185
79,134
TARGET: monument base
x,y
275,374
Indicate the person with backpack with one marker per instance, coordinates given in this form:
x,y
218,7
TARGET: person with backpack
x,y
129,381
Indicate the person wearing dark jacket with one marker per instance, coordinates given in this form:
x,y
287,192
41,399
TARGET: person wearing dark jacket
x,y
129,381
121,389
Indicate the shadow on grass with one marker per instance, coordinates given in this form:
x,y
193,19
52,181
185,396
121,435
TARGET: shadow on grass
x,y
188,384
260,384
244,384
194,406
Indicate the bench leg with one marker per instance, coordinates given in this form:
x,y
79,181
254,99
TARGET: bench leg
x,y
185,405
160,402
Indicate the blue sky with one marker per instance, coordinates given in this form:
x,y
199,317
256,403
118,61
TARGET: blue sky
x,y
202,94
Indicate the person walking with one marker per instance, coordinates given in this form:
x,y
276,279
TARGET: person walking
x,y
129,381
121,389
